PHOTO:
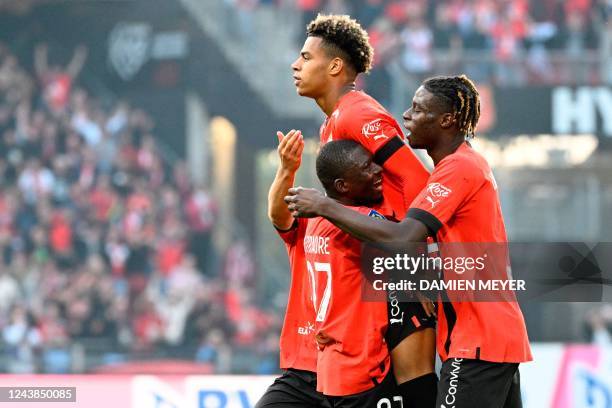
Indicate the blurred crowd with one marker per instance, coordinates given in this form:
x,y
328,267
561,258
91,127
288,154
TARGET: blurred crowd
x,y
598,325
508,42
105,248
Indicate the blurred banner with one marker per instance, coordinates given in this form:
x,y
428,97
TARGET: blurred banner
x,y
548,110
561,376
568,376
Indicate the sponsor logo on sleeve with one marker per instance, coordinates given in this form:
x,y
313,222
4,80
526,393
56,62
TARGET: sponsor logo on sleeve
x,y
432,201
372,129
436,192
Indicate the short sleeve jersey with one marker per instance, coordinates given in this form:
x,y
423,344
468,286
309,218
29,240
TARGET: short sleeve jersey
x,y
298,348
461,205
356,356
359,117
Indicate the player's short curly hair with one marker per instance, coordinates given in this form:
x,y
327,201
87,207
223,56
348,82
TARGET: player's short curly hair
x,y
343,37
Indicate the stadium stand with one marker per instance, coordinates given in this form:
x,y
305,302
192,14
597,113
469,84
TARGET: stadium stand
x,y
106,249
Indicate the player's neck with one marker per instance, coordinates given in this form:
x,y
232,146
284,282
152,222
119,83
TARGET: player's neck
x,y
442,150
328,102
342,200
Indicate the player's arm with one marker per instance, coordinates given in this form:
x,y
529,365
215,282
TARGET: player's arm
x,y
392,236
290,148
78,60
397,158
452,183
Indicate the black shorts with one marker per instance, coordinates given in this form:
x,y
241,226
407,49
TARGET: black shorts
x,y
295,388
405,318
466,383
383,395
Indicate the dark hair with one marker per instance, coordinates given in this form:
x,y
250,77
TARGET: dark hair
x,y
344,37
333,161
462,98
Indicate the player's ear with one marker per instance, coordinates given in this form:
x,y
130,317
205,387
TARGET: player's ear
x,y
448,120
335,66
341,186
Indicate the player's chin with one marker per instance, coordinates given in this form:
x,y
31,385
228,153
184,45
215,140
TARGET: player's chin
x,y
301,91
415,143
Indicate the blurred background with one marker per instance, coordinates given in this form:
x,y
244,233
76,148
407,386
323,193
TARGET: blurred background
x,y
137,144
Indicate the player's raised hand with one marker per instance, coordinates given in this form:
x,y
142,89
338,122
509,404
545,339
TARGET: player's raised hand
x,y
305,202
290,148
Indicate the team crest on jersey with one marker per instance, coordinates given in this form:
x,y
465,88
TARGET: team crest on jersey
x,y
372,128
376,214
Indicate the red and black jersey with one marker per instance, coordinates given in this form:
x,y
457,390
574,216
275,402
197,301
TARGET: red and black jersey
x,y
359,117
297,344
460,204
354,357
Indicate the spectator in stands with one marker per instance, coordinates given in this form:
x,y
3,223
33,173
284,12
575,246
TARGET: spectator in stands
x,y
599,325
577,37
368,11
214,350
86,207
336,7
309,10
200,210
417,41
603,23
147,325
22,341
10,292
56,81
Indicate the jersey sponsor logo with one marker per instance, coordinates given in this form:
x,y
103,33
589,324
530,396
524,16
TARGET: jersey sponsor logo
x,y
436,190
376,214
397,316
432,201
453,384
381,136
372,128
